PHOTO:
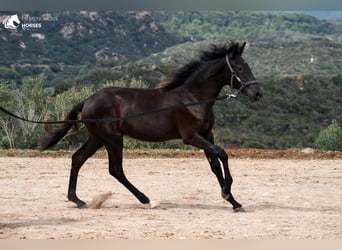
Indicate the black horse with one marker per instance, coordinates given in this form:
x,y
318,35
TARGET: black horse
x,y
200,80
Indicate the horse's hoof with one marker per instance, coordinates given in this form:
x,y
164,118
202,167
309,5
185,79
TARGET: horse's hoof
x,y
151,204
83,206
154,204
239,209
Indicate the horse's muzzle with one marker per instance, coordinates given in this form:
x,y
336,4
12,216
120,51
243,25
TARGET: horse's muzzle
x,y
258,95
253,94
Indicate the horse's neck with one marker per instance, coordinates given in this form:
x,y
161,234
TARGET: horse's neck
x,y
208,83
206,89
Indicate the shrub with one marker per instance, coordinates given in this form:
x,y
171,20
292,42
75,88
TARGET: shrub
x,y
330,138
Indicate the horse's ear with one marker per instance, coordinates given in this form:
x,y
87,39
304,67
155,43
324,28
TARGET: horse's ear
x,y
235,50
242,48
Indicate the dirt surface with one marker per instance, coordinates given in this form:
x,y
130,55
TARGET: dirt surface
x,y
284,198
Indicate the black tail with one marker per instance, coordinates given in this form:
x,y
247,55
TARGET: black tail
x,y
55,134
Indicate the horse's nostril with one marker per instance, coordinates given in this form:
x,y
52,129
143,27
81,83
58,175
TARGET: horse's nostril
x,y
258,95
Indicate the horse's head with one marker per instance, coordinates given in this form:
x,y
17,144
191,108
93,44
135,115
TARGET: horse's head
x,y
242,78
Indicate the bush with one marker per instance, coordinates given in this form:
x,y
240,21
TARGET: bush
x,y
330,138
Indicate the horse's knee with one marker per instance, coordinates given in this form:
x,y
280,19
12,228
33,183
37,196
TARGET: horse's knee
x,y
221,153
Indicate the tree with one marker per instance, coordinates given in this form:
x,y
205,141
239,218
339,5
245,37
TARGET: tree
x,y
67,99
7,123
31,103
330,138
28,102
62,105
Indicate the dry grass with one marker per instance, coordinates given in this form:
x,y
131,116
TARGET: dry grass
x,y
249,153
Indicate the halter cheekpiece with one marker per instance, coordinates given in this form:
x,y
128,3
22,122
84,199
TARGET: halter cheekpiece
x,y
233,75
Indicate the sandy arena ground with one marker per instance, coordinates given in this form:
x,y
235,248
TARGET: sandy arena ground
x,y
283,199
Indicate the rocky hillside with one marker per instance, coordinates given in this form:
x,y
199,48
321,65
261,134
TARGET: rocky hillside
x,y
63,45
75,38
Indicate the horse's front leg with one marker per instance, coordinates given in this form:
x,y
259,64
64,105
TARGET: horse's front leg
x,y
214,161
214,153
228,181
215,167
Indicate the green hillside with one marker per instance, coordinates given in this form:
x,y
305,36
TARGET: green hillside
x,y
295,57
243,24
69,43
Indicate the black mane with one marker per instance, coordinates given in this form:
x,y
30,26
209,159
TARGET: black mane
x,y
179,77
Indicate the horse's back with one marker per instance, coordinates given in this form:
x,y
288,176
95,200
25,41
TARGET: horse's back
x,y
121,99
120,103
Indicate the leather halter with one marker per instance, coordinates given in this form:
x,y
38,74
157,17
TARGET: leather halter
x,y
233,74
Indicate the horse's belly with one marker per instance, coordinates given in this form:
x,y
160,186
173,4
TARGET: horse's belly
x,y
151,132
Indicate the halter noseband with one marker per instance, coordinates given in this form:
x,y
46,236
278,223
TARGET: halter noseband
x,y
233,74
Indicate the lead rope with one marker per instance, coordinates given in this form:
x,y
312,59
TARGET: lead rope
x,y
114,119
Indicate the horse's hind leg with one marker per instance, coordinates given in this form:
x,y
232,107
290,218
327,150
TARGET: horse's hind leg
x,y
115,169
78,159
